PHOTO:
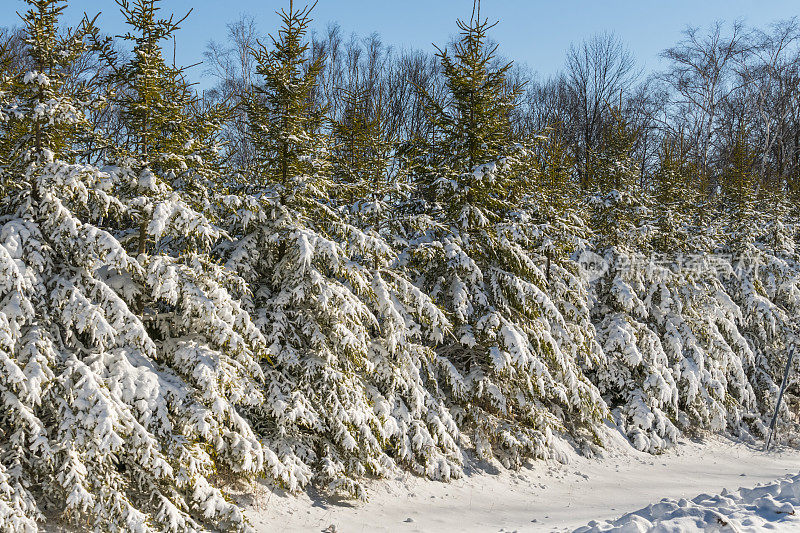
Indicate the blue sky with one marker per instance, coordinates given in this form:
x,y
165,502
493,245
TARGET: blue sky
x,y
535,32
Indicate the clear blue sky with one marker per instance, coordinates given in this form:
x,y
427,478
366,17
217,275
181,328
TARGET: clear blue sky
x,y
535,32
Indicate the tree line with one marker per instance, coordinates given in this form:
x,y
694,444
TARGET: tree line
x,y
346,260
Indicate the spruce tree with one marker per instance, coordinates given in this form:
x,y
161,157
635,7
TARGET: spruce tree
x,y
510,368
473,127
559,239
170,160
635,380
620,208
362,159
123,375
552,199
675,358
167,322
7,72
738,182
755,233
285,120
347,392
676,192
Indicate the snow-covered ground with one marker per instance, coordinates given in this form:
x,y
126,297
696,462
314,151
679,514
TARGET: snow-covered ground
x,y
770,506
549,496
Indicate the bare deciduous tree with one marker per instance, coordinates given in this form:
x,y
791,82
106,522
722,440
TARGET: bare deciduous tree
x,y
599,72
700,74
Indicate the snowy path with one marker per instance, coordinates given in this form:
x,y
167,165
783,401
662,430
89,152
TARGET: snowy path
x,y
545,497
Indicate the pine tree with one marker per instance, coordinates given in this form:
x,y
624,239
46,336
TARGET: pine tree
x,y
510,368
167,322
348,390
673,179
123,376
473,128
552,200
738,182
760,274
361,158
635,380
554,165
285,120
7,65
28,132
619,209
676,357
170,161
554,214
676,194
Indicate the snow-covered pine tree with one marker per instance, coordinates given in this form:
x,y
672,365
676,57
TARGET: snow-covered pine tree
x,y
509,368
170,132
689,307
122,375
738,184
551,213
348,384
362,158
670,332
765,282
636,381
8,66
284,117
675,191
756,233
620,206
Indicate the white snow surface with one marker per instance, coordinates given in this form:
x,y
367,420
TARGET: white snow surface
x,y
769,506
624,490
